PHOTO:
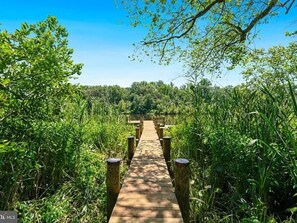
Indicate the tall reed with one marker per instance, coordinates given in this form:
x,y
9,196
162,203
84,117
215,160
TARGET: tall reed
x,y
242,143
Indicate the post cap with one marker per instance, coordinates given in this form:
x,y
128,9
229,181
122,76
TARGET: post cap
x,y
111,161
181,161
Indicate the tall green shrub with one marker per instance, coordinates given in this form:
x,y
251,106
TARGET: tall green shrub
x,y
37,148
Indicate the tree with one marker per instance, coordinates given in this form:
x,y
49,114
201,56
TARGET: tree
x,y
203,34
39,146
273,67
35,67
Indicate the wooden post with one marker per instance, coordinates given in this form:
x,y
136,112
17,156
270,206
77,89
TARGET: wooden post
x,y
157,127
112,183
131,144
166,148
181,178
161,130
141,127
137,133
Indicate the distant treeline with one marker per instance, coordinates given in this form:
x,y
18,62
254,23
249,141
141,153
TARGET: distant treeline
x,y
142,97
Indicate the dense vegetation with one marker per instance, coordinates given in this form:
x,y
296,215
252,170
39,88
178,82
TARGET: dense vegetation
x,y
242,143
53,142
242,146
142,97
55,137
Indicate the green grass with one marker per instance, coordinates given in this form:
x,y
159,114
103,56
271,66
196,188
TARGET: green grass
x,y
242,147
68,161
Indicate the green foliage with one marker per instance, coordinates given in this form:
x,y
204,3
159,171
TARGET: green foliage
x,y
55,137
35,67
106,94
241,143
80,200
82,197
141,98
272,67
201,34
38,149
53,142
107,132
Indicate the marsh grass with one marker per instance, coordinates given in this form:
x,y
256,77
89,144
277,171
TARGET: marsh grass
x,y
242,146
57,173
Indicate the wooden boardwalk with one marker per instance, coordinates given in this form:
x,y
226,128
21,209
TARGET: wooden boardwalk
x,y
147,194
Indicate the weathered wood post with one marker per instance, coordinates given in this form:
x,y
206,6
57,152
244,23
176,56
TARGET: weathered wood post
x,y
137,132
112,183
137,129
166,148
181,178
161,131
157,126
131,149
141,127
142,122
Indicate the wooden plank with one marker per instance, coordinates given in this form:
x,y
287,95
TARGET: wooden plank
x,y
140,202
151,178
148,168
147,194
142,188
140,161
134,122
147,181
148,205
151,195
144,220
155,212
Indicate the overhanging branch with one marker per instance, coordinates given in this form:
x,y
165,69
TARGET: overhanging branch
x,y
191,21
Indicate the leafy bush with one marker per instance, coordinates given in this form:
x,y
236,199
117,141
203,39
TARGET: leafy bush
x,y
38,149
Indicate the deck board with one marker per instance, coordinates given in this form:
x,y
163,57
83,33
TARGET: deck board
x,y
147,194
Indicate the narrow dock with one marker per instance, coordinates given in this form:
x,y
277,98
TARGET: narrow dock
x,y
147,194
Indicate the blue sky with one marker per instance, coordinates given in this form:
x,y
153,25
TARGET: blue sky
x,y
102,39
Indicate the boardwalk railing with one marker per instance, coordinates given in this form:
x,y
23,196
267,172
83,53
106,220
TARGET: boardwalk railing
x,y
147,194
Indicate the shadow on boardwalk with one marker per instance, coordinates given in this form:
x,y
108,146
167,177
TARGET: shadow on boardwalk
x,y
147,194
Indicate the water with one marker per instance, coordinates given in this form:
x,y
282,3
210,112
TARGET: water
x,y
169,119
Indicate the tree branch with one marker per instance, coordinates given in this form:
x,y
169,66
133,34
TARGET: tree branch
x,y
290,6
260,16
191,21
